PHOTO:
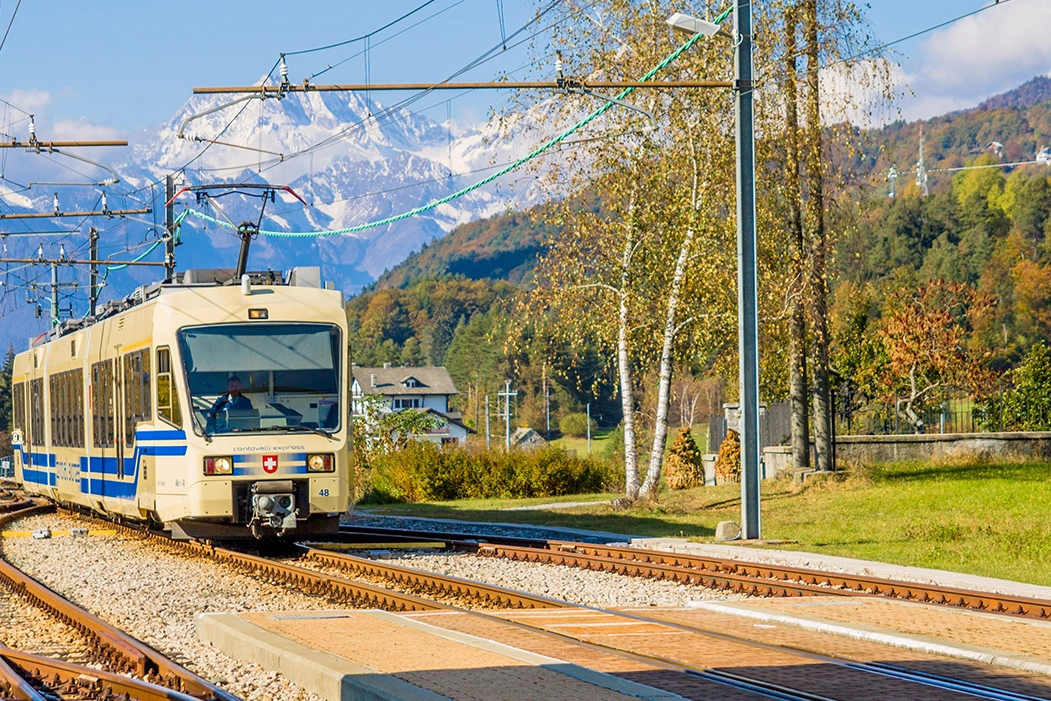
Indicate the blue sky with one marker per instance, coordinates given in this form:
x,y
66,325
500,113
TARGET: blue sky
x,y
97,68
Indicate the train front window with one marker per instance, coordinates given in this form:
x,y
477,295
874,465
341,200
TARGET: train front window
x,y
263,377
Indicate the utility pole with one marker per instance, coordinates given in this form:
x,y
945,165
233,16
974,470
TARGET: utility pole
x,y
54,294
487,422
169,228
747,293
589,427
547,409
507,394
921,170
93,248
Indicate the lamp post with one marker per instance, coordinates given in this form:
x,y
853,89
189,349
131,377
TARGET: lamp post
x,y
747,306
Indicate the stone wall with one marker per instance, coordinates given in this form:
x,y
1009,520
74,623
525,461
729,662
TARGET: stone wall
x,y
1021,445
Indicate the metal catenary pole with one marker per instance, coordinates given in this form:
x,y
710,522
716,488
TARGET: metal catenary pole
x,y
169,229
487,422
747,308
93,248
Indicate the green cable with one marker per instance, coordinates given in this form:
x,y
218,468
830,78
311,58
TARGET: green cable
x,y
481,183
148,251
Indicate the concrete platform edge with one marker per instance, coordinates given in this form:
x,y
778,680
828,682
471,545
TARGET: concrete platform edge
x,y
590,676
328,676
885,636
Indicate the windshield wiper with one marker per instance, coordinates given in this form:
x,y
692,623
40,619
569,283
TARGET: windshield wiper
x,y
291,428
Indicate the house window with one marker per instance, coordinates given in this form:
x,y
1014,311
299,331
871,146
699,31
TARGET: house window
x,y
411,382
408,403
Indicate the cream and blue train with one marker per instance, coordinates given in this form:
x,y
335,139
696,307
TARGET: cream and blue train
x,y
128,414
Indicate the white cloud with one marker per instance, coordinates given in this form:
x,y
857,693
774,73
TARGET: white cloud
x,y
29,100
982,55
85,129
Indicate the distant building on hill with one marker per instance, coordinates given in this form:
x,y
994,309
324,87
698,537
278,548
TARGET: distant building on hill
x,y
413,389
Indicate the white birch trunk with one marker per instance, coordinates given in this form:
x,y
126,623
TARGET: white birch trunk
x,y
627,393
660,433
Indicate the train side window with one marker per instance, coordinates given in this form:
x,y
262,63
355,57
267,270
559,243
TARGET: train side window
x,y
78,407
102,420
167,391
18,398
56,420
36,402
137,396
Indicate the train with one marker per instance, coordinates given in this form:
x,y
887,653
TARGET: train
x,y
208,406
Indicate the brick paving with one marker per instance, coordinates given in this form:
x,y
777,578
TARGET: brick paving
x,y
1028,637
861,650
782,667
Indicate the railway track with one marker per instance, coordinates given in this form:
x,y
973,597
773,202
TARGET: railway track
x,y
723,677
720,573
505,603
155,676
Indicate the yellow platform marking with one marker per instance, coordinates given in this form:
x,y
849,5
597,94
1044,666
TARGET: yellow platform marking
x,y
29,534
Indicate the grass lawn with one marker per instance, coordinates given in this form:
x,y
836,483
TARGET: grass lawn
x,y
988,519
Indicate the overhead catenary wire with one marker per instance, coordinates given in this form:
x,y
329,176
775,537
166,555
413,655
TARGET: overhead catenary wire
x,y
606,106
8,31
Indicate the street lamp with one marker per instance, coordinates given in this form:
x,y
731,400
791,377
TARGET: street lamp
x,y
692,25
747,307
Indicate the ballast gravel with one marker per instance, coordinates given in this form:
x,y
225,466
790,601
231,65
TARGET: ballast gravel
x,y
155,594
577,586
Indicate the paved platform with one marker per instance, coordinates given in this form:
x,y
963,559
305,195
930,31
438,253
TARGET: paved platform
x,y
967,635
372,655
833,563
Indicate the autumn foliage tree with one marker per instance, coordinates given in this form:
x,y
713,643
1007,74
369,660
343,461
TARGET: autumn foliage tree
x,y
928,336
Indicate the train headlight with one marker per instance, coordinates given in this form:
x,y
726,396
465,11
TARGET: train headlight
x,y
321,462
223,465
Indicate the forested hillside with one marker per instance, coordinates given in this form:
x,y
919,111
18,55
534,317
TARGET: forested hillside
x,y
984,230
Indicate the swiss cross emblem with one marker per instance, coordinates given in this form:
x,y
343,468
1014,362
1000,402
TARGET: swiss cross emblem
x,y
270,464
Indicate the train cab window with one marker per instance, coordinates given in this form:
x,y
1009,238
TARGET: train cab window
x,y
137,395
167,391
287,373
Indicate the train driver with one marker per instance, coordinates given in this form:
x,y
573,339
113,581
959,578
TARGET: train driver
x,y
233,400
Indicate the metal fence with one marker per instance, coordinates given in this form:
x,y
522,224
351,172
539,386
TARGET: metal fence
x,y
951,411
775,426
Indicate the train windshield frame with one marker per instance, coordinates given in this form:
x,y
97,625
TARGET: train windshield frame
x,y
289,372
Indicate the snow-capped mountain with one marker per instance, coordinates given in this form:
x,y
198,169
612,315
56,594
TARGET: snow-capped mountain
x,y
353,161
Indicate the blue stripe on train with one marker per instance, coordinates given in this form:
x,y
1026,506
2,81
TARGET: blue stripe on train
x,y
39,477
285,469
174,435
104,468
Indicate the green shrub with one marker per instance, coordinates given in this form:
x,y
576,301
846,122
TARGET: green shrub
x,y
575,424
424,471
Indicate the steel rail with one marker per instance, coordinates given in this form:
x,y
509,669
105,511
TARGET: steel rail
x,y
431,582
825,582
745,577
86,682
683,575
117,648
15,686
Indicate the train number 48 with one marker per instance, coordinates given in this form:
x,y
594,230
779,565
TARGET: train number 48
x,y
323,493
